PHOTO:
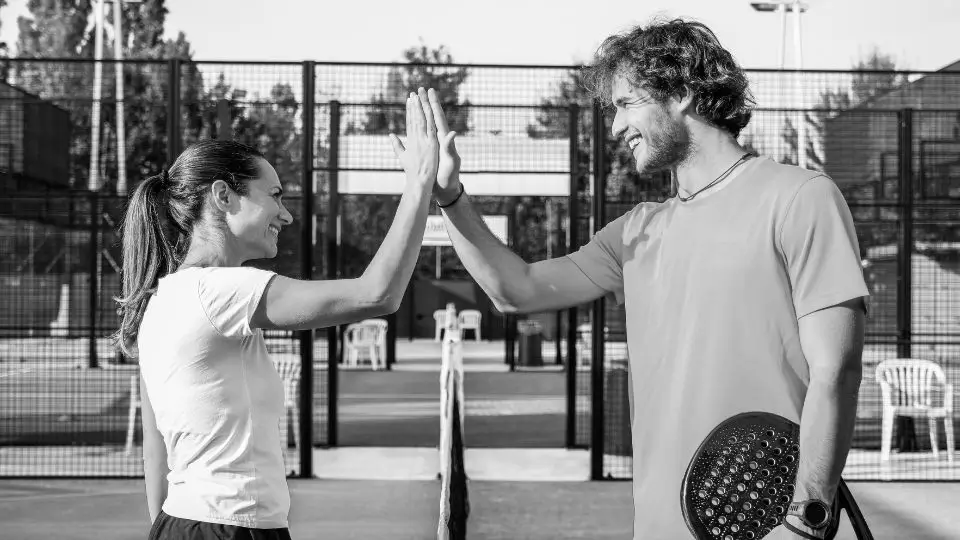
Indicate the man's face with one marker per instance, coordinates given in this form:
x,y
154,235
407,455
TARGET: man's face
x,y
656,135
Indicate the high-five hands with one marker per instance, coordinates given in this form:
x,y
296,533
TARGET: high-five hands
x,y
420,155
448,175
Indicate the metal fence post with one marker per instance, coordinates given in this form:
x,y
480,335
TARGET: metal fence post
x,y
391,352
597,371
93,285
573,217
307,230
173,110
905,251
333,212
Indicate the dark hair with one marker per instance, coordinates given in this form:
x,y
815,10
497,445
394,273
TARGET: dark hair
x,y
667,59
160,217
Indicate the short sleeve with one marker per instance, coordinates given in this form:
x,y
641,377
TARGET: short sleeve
x,y
601,260
230,297
819,244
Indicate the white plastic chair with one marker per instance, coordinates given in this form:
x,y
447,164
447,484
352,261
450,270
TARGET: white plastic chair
x,y
440,323
907,389
469,319
381,325
289,369
359,338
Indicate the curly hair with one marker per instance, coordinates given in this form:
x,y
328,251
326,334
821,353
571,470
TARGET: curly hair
x,y
669,58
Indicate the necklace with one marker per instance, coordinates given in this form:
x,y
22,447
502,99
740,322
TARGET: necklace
x,y
715,182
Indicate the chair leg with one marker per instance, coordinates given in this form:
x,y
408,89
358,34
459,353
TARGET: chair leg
x,y
295,414
932,422
948,425
132,414
886,435
284,429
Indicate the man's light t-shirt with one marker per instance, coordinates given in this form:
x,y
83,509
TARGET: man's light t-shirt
x,y
216,396
713,289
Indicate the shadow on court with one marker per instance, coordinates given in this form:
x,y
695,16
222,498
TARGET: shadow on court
x,y
405,510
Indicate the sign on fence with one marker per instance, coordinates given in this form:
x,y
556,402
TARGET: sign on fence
x,y
436,232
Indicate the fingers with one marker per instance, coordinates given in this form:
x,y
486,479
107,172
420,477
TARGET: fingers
x,y
398,148
427,110
409,115
416,116
438,116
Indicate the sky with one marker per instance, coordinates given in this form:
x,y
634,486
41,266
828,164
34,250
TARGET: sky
x,y
836,33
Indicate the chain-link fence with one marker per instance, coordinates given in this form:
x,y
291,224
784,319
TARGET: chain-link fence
x,y
530,140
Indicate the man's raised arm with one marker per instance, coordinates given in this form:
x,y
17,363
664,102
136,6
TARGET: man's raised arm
x,y
513,285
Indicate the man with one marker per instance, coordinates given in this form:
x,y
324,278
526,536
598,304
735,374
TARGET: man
x,y
744,292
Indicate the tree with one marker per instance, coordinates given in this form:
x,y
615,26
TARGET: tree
x,y
4,50
426,68
58,29
875,75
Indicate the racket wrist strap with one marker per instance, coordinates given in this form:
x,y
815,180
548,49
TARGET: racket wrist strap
x,y
799,532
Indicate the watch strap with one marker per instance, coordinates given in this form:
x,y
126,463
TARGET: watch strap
x,y
798,532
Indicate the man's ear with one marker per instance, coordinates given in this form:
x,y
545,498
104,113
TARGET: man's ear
x,y
684,101
221,195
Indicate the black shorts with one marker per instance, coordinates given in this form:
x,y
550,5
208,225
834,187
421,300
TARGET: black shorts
x,y
167,527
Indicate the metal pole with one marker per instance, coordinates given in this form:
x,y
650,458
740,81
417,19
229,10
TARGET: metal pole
x,y
93,182
801,117
306,272
92,290
597,372
121,124
333,212
905,428
173,110
573,219
905,252
782,52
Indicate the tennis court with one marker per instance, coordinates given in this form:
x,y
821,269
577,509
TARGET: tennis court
x,y
408,510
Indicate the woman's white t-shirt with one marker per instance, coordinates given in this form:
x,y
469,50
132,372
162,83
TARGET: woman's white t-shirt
x,y
216,396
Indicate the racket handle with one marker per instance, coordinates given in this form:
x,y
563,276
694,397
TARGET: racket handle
x,y
857,520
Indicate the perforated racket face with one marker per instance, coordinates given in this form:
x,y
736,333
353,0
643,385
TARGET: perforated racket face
x,y
740,481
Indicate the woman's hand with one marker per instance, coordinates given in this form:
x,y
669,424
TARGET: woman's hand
x,y
420,154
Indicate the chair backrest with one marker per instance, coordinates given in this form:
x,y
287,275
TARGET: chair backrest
x,y
288,366
379,324
362,333
469,317
440,315
911,380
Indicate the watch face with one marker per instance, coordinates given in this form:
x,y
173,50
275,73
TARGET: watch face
x,y
815,513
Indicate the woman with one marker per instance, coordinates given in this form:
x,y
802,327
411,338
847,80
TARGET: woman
x,y
193,316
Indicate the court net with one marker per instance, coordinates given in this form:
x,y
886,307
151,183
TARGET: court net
x,y
454,501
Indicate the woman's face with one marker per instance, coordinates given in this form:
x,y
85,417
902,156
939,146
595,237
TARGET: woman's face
x,y
260,216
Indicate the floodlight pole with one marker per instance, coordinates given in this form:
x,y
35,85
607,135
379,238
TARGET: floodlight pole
x,y
93,182
798,8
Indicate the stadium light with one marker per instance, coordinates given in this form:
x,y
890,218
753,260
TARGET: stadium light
x,y
798,8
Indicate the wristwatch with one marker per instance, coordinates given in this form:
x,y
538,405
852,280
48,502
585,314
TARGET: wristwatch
x,y
814,513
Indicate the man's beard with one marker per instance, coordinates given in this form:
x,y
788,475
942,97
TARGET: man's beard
x,y
667,147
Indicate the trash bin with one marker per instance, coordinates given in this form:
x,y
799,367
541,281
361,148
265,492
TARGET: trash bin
x,y
531,343
617,436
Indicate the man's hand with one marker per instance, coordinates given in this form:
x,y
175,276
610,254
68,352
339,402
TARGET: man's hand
x,y
419,156
448,173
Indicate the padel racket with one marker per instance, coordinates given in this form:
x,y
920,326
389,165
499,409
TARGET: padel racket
x,y
740,481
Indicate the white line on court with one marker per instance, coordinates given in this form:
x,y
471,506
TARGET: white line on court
x,y
19,372
52,496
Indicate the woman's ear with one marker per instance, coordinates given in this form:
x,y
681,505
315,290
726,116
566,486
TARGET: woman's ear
x,y
221,195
